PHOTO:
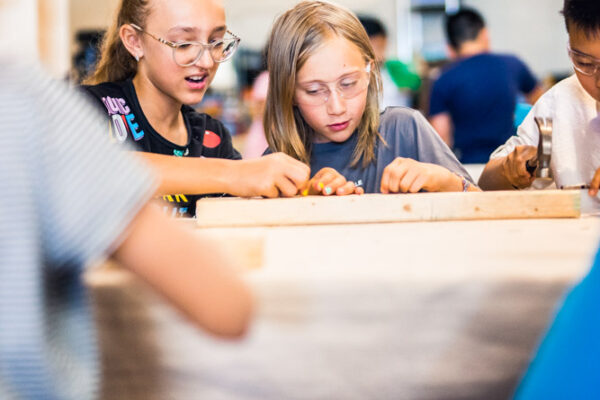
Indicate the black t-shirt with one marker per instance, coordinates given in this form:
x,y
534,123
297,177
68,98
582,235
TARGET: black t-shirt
x,y
207,137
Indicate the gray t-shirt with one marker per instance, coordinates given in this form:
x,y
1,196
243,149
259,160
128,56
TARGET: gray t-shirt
x,y
67,197
407,134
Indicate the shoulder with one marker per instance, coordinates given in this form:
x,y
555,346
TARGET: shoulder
x,y
14,86
399,116
408,134
402,123
448,70
30,84
567,87
104,89
568,90
512,61
107,93
456,71
466,64
506,57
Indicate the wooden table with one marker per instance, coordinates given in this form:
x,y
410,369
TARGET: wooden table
x,y
425,310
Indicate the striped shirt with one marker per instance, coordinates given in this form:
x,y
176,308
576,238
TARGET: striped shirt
x,y
67,197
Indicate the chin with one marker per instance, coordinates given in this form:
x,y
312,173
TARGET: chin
x,y
340,137
192,98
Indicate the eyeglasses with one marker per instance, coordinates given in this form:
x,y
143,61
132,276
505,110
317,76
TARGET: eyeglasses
x,y
318,93
584,63
188,53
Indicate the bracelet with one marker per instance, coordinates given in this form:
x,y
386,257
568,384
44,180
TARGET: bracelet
x,y
465,182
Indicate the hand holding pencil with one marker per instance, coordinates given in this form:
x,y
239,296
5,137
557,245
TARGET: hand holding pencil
x,y
328,182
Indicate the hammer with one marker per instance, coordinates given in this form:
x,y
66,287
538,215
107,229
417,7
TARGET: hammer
x,y
540,166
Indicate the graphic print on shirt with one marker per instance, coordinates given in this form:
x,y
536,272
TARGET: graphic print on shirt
x,y
181,153
122,120
179,204
174,208
211,139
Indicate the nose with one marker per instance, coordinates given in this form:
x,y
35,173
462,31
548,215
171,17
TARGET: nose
x,y
205,60
336,104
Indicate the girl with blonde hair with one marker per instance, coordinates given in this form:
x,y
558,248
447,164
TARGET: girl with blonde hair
x,y
322,109
158,59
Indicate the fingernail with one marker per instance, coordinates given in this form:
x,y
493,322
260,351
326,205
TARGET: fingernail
x,y
321,186
328,190
305,192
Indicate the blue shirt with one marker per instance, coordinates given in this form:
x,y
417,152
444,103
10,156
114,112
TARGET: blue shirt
x,y
480,94
407,134
567,365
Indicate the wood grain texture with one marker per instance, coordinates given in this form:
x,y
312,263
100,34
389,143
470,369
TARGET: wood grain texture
x,y
423,311
378,208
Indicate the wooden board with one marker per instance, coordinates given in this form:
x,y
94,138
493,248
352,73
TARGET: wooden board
x,y
377,208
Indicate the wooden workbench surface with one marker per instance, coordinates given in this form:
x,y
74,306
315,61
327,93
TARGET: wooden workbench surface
x,y
389,311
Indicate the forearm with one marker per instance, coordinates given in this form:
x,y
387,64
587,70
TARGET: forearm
x,y
192,273
191,175
493,176
455,183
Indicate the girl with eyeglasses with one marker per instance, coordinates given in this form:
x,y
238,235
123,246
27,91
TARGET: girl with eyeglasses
x,y
322,108
158,58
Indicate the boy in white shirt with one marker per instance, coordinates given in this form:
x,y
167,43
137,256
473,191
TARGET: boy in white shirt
x,y
573,104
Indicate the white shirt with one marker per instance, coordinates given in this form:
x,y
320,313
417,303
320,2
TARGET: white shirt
x,y
575,135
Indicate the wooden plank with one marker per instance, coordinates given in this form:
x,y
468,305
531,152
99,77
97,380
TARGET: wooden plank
x,y
378,208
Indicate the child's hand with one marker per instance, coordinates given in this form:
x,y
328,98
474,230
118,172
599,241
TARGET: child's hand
x,y
272,175
595,184
409,176
329,182
514,166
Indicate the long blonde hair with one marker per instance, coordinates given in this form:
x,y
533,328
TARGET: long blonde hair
x,y
294,37
116,63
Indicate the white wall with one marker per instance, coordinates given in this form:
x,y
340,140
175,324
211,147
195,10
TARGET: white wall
x,y
90,14
19,29
252,19
533,29
54,36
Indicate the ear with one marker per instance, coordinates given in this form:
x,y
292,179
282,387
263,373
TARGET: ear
x,y
484,38
132,41
452,53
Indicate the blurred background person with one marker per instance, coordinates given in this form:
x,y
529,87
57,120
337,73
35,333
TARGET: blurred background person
x,y
398,79
71,198
473,102
256,143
